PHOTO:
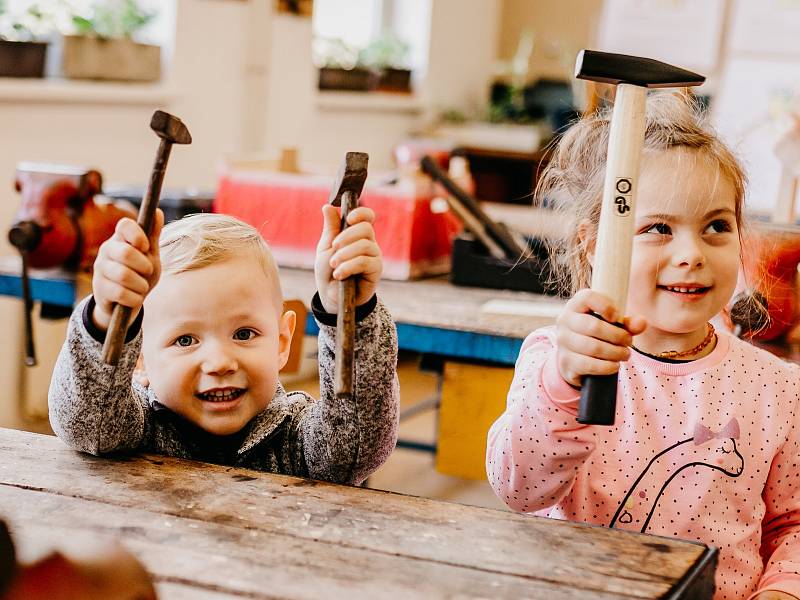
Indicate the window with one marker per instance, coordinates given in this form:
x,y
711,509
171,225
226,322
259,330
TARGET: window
x,y
358,23
23,19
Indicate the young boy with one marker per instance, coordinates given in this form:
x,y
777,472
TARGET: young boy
x,y
213,336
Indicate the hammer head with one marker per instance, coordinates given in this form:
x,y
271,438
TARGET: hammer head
x,y
351,177
170,128
607,67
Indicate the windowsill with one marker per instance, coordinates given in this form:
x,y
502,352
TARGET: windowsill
x,y
384,102
72,91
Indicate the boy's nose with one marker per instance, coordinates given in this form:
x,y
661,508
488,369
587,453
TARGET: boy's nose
x,y
218,361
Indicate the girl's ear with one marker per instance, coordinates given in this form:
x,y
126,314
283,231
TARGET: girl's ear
x,y
587,242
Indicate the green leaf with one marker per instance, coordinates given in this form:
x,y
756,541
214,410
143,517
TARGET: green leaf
x,y
83,25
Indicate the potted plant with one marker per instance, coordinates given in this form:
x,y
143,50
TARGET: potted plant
x,y
102,46
389,56
339,67
22,49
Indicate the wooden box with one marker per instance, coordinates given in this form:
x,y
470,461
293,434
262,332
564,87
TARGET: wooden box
x,y
91,57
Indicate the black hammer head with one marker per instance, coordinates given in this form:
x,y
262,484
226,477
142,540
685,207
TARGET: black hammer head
x,y
351,177
607,67
170,128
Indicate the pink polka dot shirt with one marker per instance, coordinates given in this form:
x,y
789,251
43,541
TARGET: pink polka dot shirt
x,y
705,450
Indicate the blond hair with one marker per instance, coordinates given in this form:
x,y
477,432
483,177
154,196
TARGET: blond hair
x,y
203,239
573,180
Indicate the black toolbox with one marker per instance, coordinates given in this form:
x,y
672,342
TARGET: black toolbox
x,y
472,265
176,203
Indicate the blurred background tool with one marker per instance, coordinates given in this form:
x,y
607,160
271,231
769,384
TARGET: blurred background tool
x,y
58,224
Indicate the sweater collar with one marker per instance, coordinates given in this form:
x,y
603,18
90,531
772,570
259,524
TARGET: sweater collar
x,y
260,427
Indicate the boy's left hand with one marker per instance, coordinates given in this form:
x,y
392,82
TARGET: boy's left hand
x,y
770,595
342,255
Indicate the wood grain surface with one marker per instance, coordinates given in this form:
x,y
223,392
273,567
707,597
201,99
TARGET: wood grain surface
x,y
209,531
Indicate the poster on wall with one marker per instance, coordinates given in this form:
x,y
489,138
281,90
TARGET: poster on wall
x,y
685,33
753,111
766,26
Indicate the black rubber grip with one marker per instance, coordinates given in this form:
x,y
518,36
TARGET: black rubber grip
x,y
598,403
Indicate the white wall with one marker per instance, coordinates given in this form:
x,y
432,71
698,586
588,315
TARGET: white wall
x,y
111,132
560,29
242,81
463,48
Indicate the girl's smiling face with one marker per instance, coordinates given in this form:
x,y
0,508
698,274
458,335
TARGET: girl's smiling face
x,y
685,249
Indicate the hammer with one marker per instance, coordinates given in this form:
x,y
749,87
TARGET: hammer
x,y
345,193
171,130
496,239
611,271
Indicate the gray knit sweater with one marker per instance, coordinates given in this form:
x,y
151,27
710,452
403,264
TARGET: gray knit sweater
x,y
96,408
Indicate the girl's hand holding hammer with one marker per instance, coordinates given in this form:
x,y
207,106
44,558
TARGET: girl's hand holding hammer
x,y
591,346
126,269
353,252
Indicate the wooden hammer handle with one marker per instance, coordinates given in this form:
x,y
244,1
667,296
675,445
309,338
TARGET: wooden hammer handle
x,y
612,259
121,315
345,318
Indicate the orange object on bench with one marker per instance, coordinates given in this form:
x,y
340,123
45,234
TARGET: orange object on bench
x,y
287,209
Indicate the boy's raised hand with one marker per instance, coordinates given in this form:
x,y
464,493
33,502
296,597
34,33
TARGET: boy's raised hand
x,y
351,252
588,345
126,269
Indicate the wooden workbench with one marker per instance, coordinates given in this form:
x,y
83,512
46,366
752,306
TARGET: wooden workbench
x,y
213,532
435,316
432,315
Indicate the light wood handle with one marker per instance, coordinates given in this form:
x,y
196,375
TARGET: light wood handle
x,y
612,258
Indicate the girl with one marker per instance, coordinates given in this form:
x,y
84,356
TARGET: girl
x,y
707,434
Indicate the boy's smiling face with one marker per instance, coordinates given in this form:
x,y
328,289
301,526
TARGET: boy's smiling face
x,y
214,341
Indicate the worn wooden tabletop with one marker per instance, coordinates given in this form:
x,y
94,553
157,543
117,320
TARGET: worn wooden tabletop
x,y
212,532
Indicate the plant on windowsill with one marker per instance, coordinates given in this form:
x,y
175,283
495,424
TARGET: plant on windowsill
x,y
389,56
22,47
339,67
102,46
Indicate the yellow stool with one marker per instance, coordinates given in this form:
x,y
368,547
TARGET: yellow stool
x,y
472,398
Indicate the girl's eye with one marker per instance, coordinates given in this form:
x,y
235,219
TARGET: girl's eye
x,y
184,340
659,228
719,226
244,334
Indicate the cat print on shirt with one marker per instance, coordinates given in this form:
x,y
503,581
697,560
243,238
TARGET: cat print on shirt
x,y
715,450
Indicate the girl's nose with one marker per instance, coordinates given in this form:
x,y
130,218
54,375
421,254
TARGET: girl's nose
x,y
688,253
218,360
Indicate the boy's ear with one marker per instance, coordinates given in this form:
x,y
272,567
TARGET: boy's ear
x,y
587,242
286,325
140,372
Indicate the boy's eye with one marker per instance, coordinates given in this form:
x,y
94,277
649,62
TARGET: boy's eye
x,y
659,228
719,226
244,334
184,340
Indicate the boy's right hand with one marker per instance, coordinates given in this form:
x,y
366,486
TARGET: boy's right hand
x,y
588,345
126,269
